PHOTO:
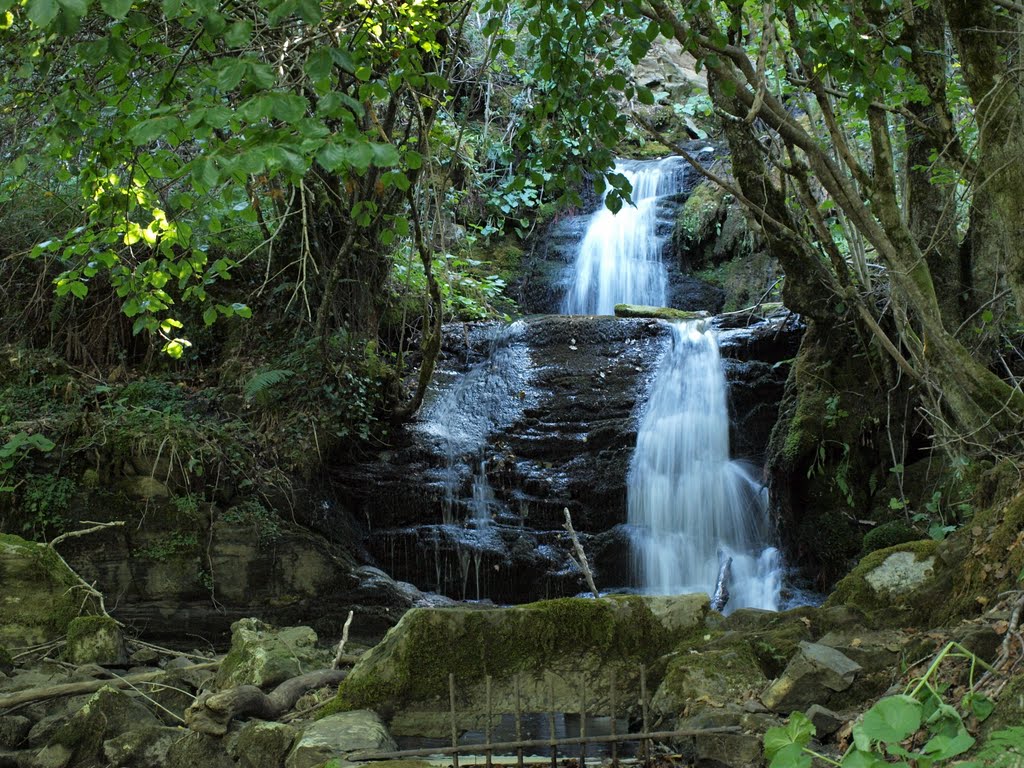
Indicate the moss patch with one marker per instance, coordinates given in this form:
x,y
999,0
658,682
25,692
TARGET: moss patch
x,y
889,535
659,313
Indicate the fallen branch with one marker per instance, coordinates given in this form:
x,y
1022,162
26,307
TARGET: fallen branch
x,y
339,656
212,713
87,686
581,557
721,596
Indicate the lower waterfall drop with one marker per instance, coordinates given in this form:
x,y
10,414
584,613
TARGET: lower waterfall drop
x,y
690,506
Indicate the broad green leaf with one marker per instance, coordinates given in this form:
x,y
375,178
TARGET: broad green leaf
x,y
791,756
384,154
231,74
798,730
118,9
980,705
42,12
943,746
855,758
151,129
892,719
210,315
77,8
319,63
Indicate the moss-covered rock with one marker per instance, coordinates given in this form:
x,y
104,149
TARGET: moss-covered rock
x,y
95,640
263,745
337,736
714,675
108,713
35,603
263,656
889,535
548,648
658,313
892,586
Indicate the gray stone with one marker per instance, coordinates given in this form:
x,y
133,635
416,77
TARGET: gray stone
x,y
337,736
14,730
263,656
825,721
263,745
141,748
728,750
144,656
198,750
900,573
812,676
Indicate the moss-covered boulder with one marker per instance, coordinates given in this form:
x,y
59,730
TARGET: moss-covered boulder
x,y
893,586
724,673
263,656
109,713
657,313
550,650
263,745
35,603
95,640
335,737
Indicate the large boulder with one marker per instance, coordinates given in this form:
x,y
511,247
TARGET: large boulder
x,y
36,604
550,651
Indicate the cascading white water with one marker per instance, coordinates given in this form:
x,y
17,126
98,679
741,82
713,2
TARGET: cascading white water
x,y
690,506
619,258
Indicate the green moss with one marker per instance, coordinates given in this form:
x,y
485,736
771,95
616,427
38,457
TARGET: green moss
x,y
659,313
888,535
86,626
38,602
701,214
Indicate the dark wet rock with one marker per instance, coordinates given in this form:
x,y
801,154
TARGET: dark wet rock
x,y
825,721
95,640
14,730
198,750
563,438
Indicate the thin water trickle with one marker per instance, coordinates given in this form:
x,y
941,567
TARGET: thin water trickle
x,y
619,259
690,505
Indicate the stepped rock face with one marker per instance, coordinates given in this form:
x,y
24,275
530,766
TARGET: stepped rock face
x,y
581,383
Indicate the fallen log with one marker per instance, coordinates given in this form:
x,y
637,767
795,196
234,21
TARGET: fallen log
x,y
212,713
87,686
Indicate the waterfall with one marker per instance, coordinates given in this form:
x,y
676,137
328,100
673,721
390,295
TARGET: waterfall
x,y
619,258
690,506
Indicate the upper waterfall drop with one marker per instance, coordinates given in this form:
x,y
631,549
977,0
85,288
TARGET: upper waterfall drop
x,y
690,505
619,259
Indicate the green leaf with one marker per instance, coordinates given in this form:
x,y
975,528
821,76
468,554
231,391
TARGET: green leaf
x,y
231,74
42,12
981,706
943,746
79,289
76,8
384,155
644,96
153,128
118,9
175,347
319,64
855,758
791,756
891,720
210,315
798,730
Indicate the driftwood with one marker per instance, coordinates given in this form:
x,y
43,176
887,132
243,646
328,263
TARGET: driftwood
x,y
339,657
87,686
212,713
721,596
581,557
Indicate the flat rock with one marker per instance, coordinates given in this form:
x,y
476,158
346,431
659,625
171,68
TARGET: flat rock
x,y
825,721
142,747
14,730
263,745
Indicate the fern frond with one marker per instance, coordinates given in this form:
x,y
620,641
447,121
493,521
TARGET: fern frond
x,y
264,380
